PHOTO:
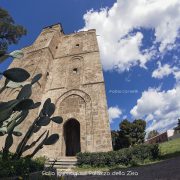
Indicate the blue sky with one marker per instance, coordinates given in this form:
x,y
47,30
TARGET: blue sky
x,y
139,45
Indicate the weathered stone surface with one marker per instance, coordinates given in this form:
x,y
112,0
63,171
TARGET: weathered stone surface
x,y
73,79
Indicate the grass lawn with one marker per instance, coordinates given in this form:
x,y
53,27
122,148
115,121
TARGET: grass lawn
x,y
168,149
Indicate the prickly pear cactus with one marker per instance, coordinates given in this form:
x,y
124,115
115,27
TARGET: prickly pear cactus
x,y
14,112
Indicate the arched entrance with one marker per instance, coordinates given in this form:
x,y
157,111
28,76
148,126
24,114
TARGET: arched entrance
x,y
72,137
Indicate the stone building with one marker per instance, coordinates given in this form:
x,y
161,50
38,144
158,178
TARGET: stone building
x,y
73,79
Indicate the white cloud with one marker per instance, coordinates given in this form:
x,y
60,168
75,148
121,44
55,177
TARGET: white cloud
x,y
176,73
119,48
161,108
149,117
162,71
114,113
166,70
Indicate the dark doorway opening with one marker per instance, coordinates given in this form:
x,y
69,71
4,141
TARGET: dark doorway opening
x,y
72,137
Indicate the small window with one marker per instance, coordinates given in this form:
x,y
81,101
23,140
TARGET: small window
x,y
56,47
75,70
77,45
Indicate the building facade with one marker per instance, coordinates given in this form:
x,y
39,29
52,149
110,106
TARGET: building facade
x,y
163,137
73,79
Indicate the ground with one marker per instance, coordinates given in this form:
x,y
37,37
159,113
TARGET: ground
x,y
167,167
164,170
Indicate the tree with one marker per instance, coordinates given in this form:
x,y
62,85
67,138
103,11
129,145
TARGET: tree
x,y
130,133
152,134
119,141
133,131
114,135
124,134
178,125
137,134
10,33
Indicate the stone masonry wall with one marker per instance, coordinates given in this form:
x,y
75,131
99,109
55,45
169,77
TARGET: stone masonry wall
x,y
73,79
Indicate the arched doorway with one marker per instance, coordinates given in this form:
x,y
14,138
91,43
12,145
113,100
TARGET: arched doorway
x,y
72,137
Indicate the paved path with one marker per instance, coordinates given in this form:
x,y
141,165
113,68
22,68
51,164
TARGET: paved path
x,y
165,170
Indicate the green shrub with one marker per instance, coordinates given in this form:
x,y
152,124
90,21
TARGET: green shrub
x,y
127,156
21,167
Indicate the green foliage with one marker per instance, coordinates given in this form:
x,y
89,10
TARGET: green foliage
x,y
21,167
36,78
51,139
25,92
130,134
114,136
43,119
170,148
16,74
14,112
119,140
57,119
11,124
152,134
134,131
10,33
126,156
178,125
6,109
